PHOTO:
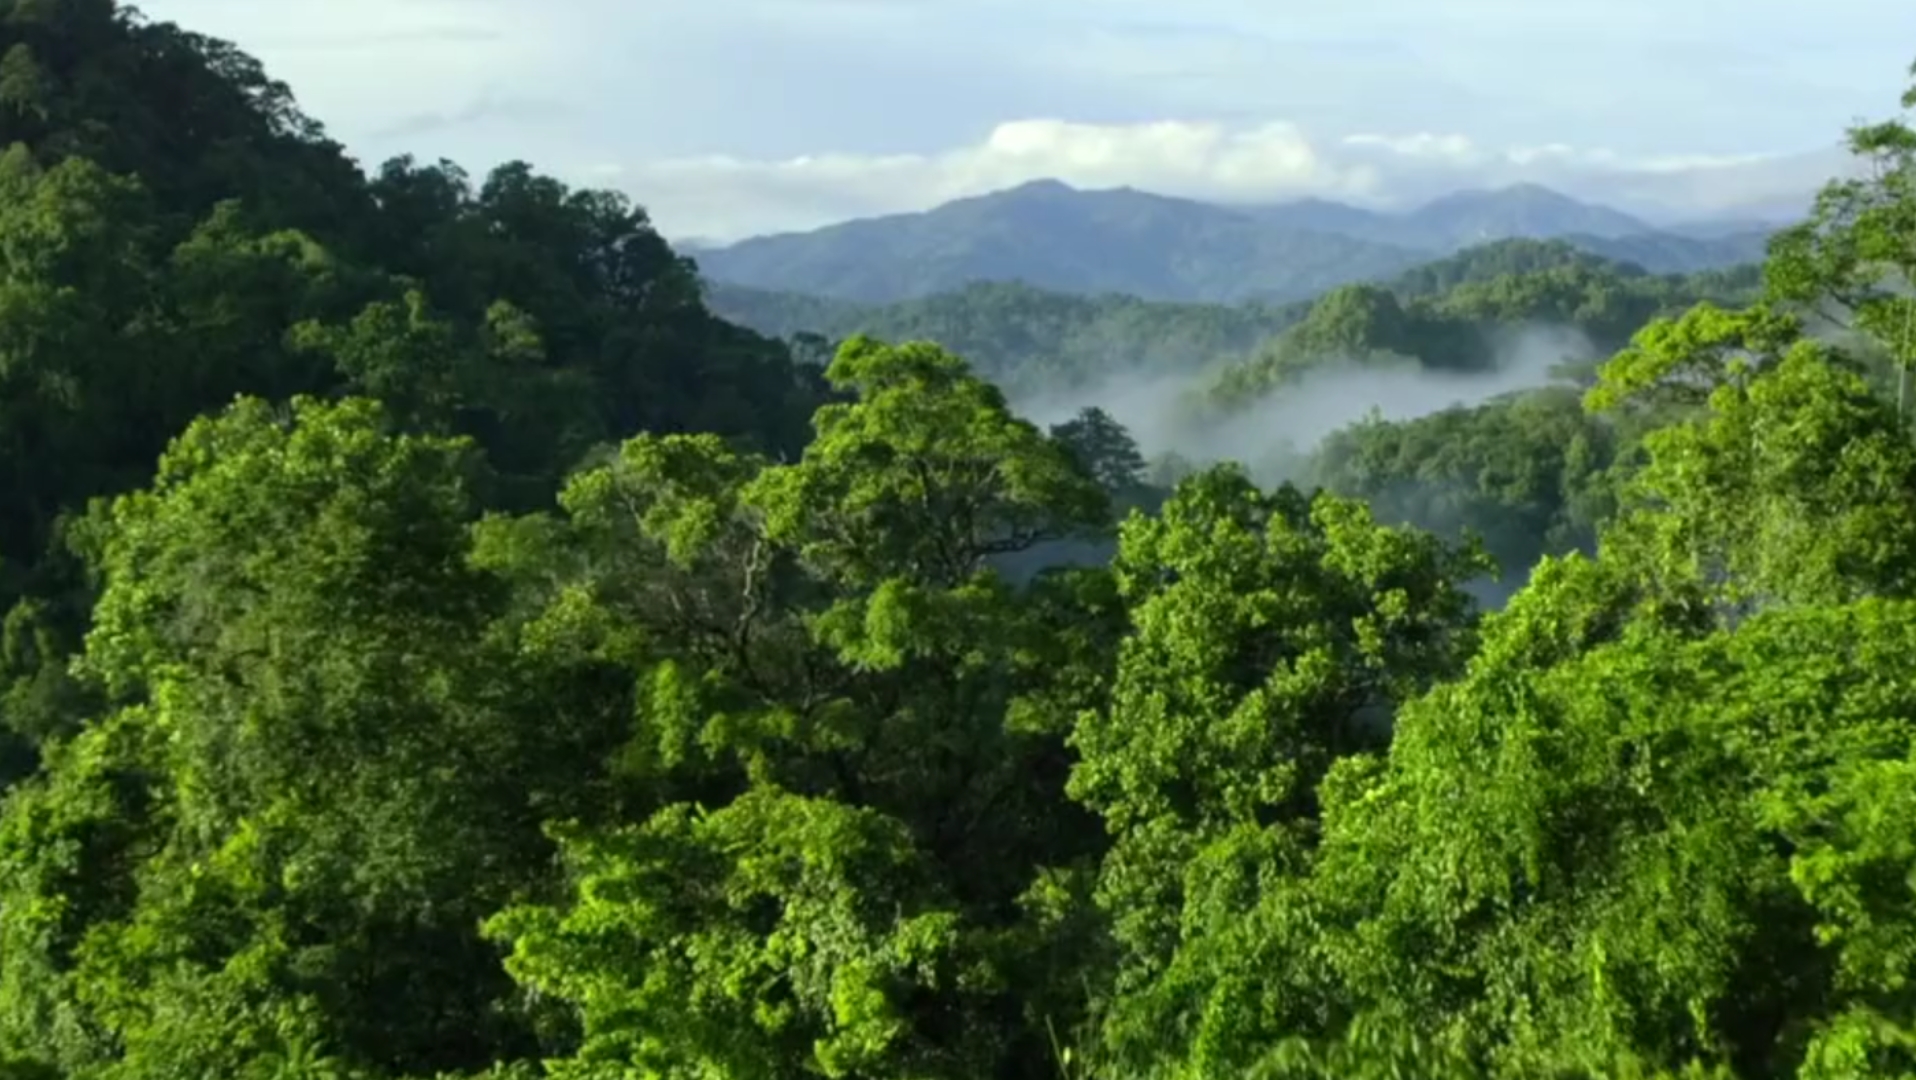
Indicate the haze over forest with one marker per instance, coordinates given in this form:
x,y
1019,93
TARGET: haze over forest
x,y
1136,553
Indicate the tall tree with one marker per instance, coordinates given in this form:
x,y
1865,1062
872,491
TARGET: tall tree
x,y
1104,449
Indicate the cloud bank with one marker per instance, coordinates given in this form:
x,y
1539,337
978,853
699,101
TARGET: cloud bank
x,y
739,117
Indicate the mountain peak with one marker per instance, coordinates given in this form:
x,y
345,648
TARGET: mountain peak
x,y
1043,187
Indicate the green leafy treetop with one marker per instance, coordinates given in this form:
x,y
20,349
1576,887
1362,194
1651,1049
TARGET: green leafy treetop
x,y
869,880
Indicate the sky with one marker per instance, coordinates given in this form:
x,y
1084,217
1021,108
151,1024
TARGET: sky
x,y
729,118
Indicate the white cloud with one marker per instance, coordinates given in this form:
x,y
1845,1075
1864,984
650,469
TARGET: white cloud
x,y
370,64
733,117
720,198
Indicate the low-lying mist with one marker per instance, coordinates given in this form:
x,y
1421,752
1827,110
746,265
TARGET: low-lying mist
x,y
1274,437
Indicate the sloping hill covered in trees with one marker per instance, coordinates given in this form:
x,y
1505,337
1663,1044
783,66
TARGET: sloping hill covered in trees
x,y
1033,341
177,233
437,647
1458,329
1025,339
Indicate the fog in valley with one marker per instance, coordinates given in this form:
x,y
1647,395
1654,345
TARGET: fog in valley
x,y
1274,437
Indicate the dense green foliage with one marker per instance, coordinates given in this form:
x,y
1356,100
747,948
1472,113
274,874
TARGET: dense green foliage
x,y
1528,474
437,647
152,269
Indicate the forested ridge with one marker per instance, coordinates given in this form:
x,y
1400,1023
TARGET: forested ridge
x,y
436,645
1031,340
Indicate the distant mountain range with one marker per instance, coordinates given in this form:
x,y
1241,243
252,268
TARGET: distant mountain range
x,y
1053,236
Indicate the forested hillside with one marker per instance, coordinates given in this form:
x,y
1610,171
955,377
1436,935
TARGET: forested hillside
x,y
156,268
1457,329
1034,342
1026,340
436,646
